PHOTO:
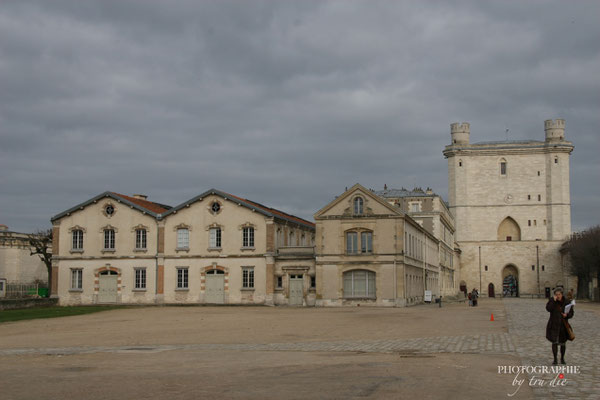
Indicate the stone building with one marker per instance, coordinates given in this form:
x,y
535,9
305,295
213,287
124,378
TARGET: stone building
x,y
371,252
214,248
511,204
431,212
17,265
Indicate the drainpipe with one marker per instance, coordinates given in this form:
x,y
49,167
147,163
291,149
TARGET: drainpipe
x,y
156,263
537,256
480,270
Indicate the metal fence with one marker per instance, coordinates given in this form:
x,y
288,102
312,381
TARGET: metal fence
x,y
23,290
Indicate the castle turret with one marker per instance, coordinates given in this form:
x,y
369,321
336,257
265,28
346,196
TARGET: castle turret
x,y
460,132
555,130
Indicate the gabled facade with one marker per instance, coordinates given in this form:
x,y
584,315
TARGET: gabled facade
x,y
216,248
370,252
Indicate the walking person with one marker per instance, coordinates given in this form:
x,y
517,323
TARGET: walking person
x,y
474,295
556,332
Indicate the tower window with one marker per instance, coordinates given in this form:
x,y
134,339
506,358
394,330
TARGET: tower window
x,y
486,268
528,222
538,173
555,160
503,168
528,197
543,267
533,267
460,163
539,197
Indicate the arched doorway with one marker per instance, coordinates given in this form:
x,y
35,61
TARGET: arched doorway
x,y
463,287
491,292
107,286
510,281
215,287
509,230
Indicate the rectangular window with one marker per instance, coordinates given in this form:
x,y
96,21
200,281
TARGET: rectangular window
x,y
503,168
366,242
539,197
77,279
313,282
183,238
78,239
279,282
140,238
248,237
415,207
248,277
352,242
215,238
535,222
528,222
182,278
140,278
109,239
528,197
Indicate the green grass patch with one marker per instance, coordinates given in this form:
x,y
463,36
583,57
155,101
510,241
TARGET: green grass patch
x,y
51,312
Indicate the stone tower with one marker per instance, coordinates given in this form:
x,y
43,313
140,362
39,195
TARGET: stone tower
x,y
511,204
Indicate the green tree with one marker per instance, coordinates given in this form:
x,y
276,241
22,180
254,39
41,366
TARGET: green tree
x,y
40,243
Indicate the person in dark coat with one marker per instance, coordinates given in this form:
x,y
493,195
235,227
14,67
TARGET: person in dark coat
x,y
556,332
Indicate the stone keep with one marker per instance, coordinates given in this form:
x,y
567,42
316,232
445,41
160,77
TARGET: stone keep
x,y
511,204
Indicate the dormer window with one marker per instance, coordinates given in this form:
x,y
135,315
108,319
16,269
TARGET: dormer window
x,y
358,205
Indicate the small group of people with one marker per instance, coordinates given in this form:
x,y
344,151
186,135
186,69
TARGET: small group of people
x,y
473,297
556,329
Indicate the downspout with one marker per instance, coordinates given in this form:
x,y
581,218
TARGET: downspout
x,y
156,261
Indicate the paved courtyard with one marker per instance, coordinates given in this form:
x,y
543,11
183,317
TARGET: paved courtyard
x,y
260,352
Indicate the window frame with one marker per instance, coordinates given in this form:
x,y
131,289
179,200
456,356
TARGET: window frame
x,y
109,239
140,278
215,237
248,237
370,276
183,239
358,205
359,235
141,239
182,282
77,240
76,273
248,278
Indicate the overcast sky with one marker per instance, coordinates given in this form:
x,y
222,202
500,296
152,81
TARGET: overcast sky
x,y
282,102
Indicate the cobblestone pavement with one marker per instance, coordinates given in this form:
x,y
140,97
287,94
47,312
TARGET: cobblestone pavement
x,y
527,320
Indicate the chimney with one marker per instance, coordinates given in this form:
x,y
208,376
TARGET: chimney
x,y
140,196
429,191
3,227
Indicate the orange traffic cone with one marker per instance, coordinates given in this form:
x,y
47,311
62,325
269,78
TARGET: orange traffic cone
x,y
492,318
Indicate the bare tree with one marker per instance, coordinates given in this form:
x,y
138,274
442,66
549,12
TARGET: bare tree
x,y
40,243
584,251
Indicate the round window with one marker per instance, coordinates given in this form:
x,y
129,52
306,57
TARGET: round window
x,y
110,210
216,207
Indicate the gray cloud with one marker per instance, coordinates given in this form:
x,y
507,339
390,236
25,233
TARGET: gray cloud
x,y
283,102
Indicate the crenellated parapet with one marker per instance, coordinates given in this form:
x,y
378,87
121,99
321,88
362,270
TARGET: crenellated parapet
x,y
555,130
460,132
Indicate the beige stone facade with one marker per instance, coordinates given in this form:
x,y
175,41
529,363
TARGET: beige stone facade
x,y
369,252
215,248
511,203
17,265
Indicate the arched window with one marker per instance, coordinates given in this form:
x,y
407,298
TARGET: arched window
x,y
358,205
509,230
354,246
503,167
359,284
